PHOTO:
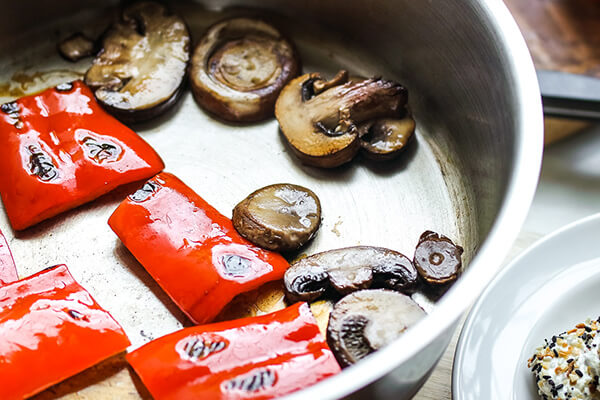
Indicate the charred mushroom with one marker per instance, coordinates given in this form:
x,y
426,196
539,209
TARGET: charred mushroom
x,y
437,259
139,72
320,118
366,321
279,217
348,270
239,67
384,139
76,47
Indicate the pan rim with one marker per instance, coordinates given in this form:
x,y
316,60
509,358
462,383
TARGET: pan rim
x,y
489,259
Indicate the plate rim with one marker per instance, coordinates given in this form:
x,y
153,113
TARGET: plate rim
x,y
471,320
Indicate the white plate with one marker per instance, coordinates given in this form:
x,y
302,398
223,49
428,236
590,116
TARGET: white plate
x,y
550,288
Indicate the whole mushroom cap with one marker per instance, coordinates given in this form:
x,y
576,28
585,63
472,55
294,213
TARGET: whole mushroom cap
x,y
279,217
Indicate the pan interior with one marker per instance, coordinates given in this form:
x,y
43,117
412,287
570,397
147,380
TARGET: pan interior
x,y
364,203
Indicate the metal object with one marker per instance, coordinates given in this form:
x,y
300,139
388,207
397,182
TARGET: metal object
x,y
570,95
471,174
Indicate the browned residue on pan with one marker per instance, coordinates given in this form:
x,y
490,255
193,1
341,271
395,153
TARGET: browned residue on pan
x,y
23,83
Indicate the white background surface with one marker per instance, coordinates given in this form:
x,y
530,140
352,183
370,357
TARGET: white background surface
x,y
569,187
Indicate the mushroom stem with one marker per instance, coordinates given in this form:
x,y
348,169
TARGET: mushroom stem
x,y
321,85
360,101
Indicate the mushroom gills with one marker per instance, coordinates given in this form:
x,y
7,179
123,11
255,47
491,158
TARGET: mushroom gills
x,y
279,217
347,270
239,67
320,118
139,72
437,259
368,320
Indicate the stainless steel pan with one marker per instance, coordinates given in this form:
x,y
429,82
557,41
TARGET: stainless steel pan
x,y
471,174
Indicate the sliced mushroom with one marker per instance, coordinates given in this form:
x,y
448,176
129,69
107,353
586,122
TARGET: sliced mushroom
x,y
348,270
279,217
384,139
437,258
366,321
139,72
76,47
320,118
239,67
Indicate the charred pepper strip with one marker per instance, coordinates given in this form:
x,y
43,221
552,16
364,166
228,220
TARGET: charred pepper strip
x,y
8,270
190,249
51,329
252,358
60,149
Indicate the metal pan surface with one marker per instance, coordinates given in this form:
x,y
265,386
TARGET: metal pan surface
x,y
470,174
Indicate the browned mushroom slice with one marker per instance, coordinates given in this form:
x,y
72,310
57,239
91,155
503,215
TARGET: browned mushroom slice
x,y
239,67
384,139
76,47
347,270
320,118
437,259
279,217
139,72
367,320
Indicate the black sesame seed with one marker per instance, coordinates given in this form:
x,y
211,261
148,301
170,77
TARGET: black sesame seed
x,y
570,360
555,352
546,377
559,386
578,372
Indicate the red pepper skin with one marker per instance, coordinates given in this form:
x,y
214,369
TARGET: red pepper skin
x,y
59,149
51,329
190,249
8,270
283,351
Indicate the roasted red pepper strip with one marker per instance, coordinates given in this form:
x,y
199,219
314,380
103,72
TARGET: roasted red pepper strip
x,y
192,251
59,149
51,329
8,270
251,358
